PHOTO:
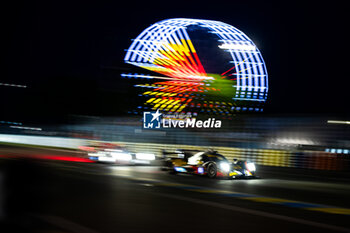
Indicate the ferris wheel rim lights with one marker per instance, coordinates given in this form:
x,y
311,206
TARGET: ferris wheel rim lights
x,y
165,47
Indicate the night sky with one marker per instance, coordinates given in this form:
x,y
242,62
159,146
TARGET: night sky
x,y
69,54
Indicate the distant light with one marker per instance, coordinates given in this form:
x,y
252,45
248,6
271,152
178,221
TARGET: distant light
x,y
337,151
12,85
296,141
22,127
338,122
237,47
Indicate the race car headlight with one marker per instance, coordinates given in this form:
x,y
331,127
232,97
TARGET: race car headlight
x,y
200,170
251,167
225,167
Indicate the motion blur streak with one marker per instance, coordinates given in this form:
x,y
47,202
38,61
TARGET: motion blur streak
x,y
282,156
338,122
104,197
63,158
50,157
302,172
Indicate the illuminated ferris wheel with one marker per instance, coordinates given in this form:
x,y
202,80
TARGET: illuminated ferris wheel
x,y
203,65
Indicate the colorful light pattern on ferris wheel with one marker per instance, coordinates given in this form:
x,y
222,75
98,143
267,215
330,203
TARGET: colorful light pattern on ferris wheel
x,y
166,48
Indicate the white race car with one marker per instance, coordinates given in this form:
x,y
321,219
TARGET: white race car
x,y
114,153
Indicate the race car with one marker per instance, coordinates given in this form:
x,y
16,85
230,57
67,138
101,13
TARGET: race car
x,y
111,154
209,163
115,154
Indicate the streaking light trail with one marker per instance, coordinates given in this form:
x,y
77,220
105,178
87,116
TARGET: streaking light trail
x,y
237,47
12,85
338,122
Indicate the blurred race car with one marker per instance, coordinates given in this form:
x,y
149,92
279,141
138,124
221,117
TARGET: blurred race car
x,y
115,153
209,163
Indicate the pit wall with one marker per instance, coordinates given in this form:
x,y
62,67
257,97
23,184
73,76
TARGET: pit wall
x,y
267,157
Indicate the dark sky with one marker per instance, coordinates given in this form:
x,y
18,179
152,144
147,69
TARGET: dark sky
x,y
63,52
